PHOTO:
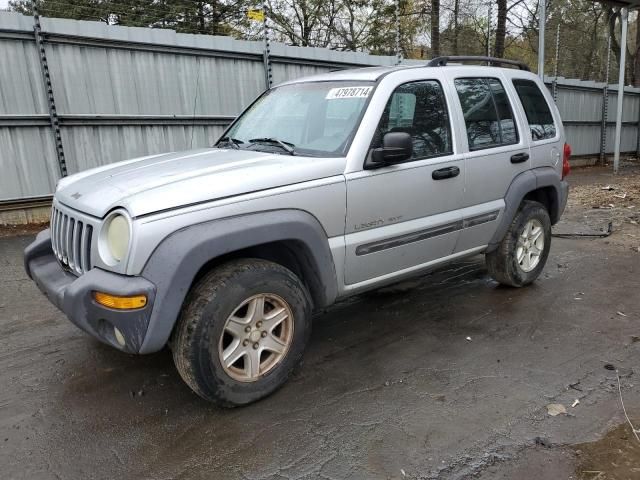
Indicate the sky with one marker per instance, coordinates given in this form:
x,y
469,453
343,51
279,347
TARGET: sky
x,y
4,3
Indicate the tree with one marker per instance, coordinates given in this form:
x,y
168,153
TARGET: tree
x,y
501,28
298,21
362,25
79,9
456,29
636,55
352,27
435,28
189,16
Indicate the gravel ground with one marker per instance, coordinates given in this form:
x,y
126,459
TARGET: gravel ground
x,y
445,377
599,197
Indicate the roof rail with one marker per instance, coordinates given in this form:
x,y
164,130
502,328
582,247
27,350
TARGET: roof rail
x,y
442,61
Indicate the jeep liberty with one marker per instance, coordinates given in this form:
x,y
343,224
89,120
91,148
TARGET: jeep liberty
x,y
324,187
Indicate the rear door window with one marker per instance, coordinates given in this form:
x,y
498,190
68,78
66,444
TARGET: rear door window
x,y
487,113
536,108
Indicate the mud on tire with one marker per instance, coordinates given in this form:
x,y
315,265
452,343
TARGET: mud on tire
x,y
503,263
203,327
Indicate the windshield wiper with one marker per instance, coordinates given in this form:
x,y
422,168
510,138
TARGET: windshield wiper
x,y
234,142
287,146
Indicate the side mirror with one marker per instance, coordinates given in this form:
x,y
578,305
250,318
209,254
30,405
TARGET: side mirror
x,y
397,147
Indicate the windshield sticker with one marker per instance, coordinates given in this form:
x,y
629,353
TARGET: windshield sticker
x,y
348,92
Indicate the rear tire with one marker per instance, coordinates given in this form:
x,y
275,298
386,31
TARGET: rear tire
x,y
241,332
523,252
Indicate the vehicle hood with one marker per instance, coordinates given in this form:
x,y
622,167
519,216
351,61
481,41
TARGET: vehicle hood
x,y
160,182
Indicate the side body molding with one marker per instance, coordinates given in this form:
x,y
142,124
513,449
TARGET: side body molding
x,y
177,260
527,182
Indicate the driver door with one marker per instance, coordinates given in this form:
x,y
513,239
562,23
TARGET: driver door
x,y
403,217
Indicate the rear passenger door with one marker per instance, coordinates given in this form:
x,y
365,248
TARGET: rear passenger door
x,y
496,153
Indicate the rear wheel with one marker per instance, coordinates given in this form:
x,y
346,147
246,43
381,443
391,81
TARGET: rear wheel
x,y
523,252
242,331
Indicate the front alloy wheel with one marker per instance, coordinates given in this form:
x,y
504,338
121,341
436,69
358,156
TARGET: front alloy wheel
x,y
256,337
242,330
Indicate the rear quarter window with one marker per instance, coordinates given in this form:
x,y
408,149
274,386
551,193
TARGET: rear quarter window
x,y
536,108
487,113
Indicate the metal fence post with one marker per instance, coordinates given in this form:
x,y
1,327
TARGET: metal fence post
x,y
53,114
554,84
603,125
398,47
605,101
489,15
268,74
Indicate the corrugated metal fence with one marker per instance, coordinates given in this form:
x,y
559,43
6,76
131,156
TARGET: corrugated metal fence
x,y
122,92
581,106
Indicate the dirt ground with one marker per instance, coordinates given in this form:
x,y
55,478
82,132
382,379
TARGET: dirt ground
x,y
21,230
599,197
446,377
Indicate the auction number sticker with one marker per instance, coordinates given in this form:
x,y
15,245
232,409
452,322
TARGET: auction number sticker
x,y
349,92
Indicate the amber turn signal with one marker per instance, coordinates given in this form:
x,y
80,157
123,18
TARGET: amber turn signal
x,y
120,303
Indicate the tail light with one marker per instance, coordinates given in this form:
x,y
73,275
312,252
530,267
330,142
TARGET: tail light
x,y
566,168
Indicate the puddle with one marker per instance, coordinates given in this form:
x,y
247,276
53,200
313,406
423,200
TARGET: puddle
x,y
614,457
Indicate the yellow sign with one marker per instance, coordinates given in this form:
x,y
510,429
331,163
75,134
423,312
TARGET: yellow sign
x,y
257,15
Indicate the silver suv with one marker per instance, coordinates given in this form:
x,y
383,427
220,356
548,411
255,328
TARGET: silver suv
x,y
323,188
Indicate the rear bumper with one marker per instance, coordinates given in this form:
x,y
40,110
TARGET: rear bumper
x,y
74,296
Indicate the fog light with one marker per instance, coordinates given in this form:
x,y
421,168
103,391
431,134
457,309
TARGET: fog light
x,y
119,337
120,303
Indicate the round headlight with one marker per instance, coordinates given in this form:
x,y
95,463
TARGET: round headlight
x,y
118,235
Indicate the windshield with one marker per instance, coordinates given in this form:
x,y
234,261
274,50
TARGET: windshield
x,y
313,118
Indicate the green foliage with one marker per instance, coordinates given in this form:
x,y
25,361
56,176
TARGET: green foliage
x,y
370,25
76,9
189,16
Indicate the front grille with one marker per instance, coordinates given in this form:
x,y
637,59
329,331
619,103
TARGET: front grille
x,y
71,240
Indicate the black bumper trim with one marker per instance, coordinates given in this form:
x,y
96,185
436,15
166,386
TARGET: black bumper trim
x,y
74,296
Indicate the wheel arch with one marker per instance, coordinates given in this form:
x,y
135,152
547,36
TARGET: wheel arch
x,y
548,198
539,184
290,253
292,238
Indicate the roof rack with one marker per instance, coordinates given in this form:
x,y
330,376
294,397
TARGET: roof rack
x,y
442,61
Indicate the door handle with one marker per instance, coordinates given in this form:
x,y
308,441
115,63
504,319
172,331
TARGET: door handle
x,y
447,172
519,157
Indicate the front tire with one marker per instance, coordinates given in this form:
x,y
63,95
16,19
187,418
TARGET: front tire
x,y
243,329
523,252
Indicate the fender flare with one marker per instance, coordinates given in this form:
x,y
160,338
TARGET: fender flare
x,y
176,261
527,182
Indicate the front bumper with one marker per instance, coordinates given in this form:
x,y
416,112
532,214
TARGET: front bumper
x,y
74,296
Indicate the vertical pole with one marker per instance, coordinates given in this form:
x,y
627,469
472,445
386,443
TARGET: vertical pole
x,y
623,54
555,66
638,131
53,114
603,125
398,47
605,106
489,15
268,74
398,57
542,20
